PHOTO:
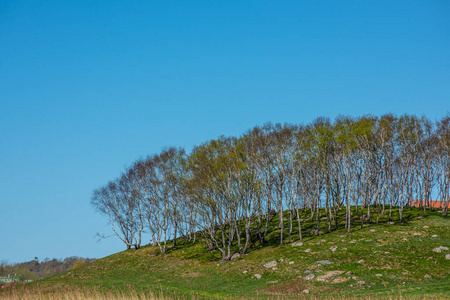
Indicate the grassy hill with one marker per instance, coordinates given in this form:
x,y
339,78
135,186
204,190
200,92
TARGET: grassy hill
x,y
380,260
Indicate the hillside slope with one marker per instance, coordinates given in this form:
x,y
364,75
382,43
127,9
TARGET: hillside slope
x,y
380,259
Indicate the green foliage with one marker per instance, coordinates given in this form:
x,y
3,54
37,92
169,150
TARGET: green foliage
x,y
79,264
24,274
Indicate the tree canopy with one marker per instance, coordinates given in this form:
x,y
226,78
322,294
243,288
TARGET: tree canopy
x,y
228,188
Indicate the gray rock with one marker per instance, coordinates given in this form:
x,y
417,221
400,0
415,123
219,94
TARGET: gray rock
x,y
333,248
420,217
447,256
391,223
324,262
297,244
308,250
361,282
438,250
349,273
434,235
309,277
372,230
270,264
245,272
329,275
291,262
235,256
339,280
379,275
257,276
427,276
307,272
444,248
361,261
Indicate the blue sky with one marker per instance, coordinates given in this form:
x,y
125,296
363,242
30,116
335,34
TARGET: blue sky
x,y
87,87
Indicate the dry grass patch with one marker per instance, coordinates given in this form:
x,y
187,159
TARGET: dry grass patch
x,y
75,294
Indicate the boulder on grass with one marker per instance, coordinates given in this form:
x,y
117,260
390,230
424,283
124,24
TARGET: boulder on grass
x,y
324,262
340,280
235,256
270,264
329,275
309,277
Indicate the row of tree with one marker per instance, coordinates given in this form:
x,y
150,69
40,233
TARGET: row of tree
x,y
228,188
35,269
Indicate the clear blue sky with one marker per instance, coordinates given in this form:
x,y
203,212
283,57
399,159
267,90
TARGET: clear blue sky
x,y
87,87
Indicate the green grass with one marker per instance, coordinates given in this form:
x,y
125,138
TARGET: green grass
x,y
401,253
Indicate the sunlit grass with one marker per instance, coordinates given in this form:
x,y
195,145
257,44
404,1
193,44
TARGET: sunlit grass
x,y
396,259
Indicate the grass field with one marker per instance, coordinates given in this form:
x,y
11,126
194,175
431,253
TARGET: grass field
x,y
89,294
386,262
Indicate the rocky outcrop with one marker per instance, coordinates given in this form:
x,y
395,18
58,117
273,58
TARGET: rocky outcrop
x,y
329,275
